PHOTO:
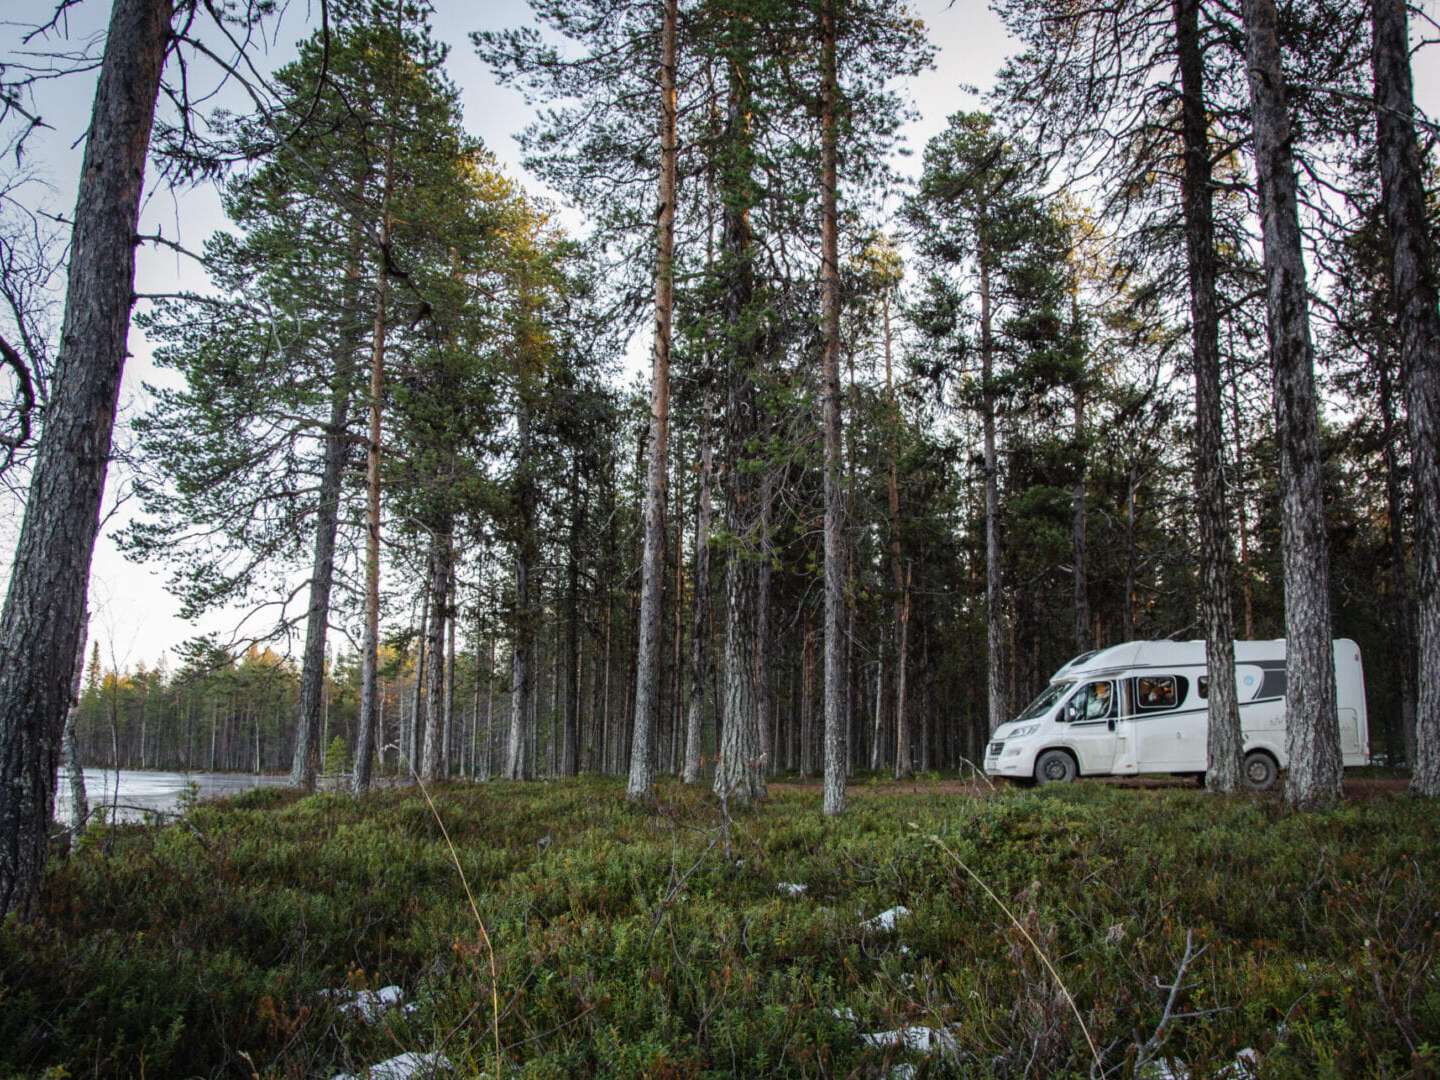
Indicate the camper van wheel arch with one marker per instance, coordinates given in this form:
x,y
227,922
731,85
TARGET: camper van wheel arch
x,y
1056,767
1261,770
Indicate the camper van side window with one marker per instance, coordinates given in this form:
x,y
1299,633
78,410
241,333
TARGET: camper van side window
x,y
1156,692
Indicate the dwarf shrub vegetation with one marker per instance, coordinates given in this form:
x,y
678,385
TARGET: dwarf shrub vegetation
x,y
627,944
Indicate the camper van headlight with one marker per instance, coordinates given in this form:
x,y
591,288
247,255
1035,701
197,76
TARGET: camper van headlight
x,y
1021,732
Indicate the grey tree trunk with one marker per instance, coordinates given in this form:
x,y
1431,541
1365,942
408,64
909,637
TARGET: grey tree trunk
x,y
641,784
1402,607
1415,285
521,690
415,744
994,595
1078,529
306,762
79,802
904,756
368,718
1224,741
1312,729
432,754
739,770
45,603
834,801
700,610
449,734
764,578
570,759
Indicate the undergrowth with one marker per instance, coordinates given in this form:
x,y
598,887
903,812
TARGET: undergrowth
x,y
626,944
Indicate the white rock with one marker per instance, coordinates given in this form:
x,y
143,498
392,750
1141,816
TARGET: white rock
x,y
369,1005
792,888
886,920
403,1067
921,1040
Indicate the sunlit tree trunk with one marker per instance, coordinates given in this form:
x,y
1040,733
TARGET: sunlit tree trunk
x,y
652,568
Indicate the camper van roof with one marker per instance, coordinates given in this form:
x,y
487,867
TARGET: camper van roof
x,y
1165,653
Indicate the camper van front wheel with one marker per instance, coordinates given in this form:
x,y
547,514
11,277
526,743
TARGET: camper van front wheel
x,y
1260,771
1055,767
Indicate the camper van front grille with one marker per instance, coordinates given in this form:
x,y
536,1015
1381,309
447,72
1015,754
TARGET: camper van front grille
x,y
996,747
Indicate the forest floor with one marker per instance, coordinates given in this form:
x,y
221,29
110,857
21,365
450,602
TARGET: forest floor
x,y
1042,929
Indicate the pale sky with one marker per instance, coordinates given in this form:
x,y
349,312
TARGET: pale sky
x,y
134,615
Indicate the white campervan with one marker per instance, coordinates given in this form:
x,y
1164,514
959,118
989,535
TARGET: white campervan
x,y
1140,708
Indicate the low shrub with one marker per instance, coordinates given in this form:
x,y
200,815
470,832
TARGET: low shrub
x,y
625,944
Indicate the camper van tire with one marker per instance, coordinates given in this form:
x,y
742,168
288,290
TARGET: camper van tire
x,y
1055,767
1260,771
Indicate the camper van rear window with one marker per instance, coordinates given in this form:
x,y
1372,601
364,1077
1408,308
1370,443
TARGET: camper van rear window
x,y
1155,692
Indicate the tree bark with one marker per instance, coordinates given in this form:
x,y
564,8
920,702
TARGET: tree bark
x,y
1415,287
1078,525
764,581
641,784
306,762
570,759
45,603
1401,607
79,802
904,757
994,595
739,772
700,610
834,799
432,753
1224,741
365,737
1312,729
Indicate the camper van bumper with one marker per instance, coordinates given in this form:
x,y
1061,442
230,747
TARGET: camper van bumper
x,y
1010,759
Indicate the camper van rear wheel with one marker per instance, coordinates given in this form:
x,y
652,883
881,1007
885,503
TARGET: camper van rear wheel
x,y
1260,771
1055,767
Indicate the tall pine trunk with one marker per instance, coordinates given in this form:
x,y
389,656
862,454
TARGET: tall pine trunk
x,y
306,762
1414,285
652,567
45,604
834,801
994,595
1224,742
1312,729
368,718
570,759
700,610
1078,525
739,771
1401,606
432,752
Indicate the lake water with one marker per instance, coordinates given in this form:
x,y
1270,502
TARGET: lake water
x,y
139,790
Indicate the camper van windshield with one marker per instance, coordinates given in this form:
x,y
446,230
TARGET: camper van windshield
x,y
1041,705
